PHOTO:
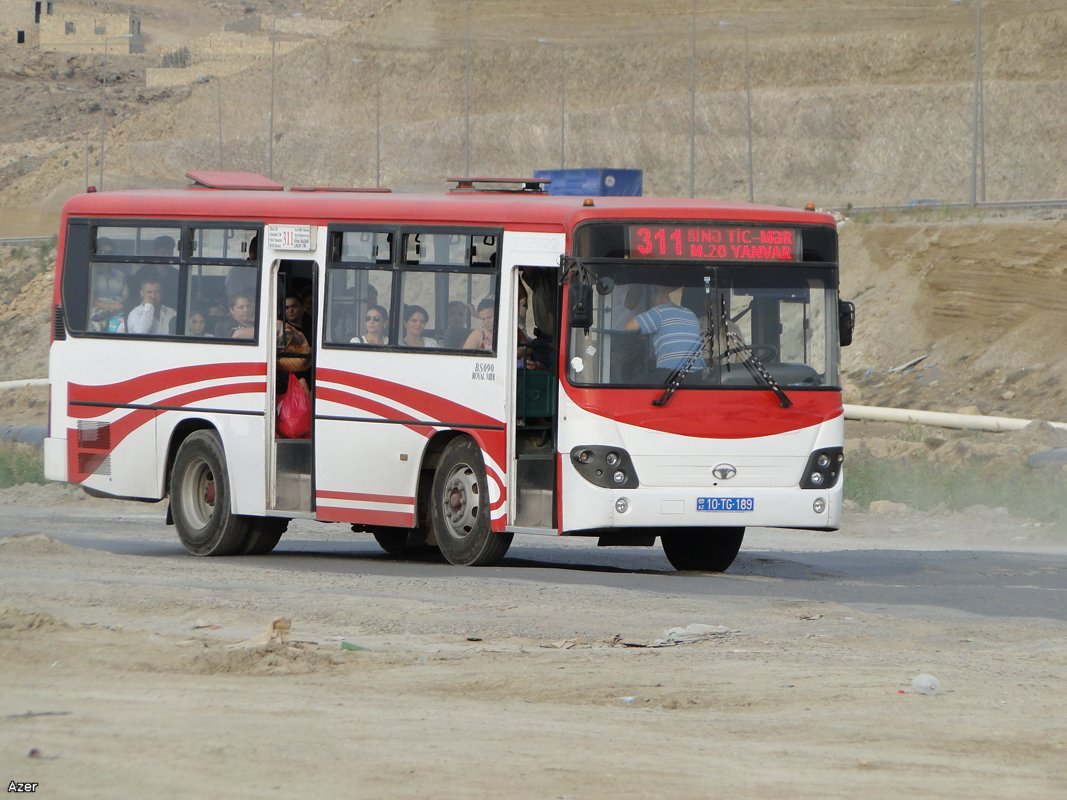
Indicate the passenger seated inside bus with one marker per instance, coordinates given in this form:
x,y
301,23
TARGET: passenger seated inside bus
x,y
163,246
241,323
459,325
294,314
196,324
483,339
109,292
151,317
376,323
344,319
415,319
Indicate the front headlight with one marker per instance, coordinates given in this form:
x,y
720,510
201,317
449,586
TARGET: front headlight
x,y
609,467
823,468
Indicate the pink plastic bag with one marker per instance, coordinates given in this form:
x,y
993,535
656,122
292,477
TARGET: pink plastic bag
x,y
294,411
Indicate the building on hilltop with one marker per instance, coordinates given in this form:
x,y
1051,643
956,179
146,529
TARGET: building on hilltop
x,y
66,28
18,21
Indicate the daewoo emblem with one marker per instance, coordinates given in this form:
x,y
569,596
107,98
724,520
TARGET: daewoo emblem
x,y
724,471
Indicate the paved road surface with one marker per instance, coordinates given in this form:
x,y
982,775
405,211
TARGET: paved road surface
x,y
853,567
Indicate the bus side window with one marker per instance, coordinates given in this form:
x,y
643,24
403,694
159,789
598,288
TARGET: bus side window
x,y
108,297
351,294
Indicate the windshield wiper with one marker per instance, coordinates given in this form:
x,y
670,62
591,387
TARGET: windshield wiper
x,y
674,380
736,345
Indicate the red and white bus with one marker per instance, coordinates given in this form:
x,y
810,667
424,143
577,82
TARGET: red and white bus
x,y
485,362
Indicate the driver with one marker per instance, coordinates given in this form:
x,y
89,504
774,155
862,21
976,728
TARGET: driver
x,y
675,330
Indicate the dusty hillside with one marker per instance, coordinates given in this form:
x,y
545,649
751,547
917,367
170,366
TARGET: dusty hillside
x,y
853,106
984,301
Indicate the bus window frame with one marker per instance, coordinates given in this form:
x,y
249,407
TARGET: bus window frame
x,y
182,260
398,267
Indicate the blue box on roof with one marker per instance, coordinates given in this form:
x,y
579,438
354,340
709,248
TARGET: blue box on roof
x,y
593,182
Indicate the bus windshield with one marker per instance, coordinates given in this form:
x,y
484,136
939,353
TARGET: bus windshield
x,y
715,323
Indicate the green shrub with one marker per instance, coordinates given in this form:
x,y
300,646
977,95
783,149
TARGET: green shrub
x,y
1035,494
20,463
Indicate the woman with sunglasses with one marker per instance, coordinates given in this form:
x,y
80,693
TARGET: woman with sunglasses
x,y
376,324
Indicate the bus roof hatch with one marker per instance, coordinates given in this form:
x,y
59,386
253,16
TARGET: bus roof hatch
x,y
509,185
210,179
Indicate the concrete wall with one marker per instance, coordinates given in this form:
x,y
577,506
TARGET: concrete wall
x,y
85,32
15,16
230,51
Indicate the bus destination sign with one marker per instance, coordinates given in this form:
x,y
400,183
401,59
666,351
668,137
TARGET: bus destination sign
x,y
714,242
290,237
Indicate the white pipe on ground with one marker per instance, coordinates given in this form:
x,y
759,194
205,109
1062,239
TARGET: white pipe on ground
x,y
940,419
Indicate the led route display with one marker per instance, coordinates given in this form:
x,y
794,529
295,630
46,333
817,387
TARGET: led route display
x,y
714,242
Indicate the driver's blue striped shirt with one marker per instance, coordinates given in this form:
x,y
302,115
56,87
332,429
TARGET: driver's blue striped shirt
x,y
675,333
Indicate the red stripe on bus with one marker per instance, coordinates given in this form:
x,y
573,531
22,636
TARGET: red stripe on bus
x,y
361,403
428,403
329,494
133,419
711,413
489,441
195,395
362,516
130,391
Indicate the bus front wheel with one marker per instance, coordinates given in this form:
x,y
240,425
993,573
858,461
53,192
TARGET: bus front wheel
x,y
200,498
702,549
459,508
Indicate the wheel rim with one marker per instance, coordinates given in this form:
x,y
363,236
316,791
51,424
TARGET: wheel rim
x,y
199,493
461,501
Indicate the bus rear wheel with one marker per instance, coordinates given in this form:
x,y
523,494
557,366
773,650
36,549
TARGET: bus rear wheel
x,y
702,549
200,498
459,508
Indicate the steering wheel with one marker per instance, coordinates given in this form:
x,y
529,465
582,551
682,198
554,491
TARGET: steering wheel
x,y
764,352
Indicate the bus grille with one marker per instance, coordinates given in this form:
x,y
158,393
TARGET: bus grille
x,y
59,330
94,463
94,435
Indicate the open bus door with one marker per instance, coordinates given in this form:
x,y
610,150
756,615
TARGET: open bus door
x,y
290,473
536,403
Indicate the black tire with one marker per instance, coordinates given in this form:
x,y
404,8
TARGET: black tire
x,y
702,549
200,498
263,535
459,508
393,541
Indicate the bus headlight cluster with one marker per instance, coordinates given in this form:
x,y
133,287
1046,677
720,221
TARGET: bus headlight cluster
x,y
609,467
823,468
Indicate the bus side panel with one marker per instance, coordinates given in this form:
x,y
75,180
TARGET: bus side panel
x,y
373,428
366,472
118,414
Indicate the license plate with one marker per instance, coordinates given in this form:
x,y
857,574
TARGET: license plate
x,y
726,504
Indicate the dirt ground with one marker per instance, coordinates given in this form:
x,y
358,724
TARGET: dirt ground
x,y
153,675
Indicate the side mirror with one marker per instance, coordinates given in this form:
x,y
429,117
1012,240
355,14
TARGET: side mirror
x,y
846,321
581,309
